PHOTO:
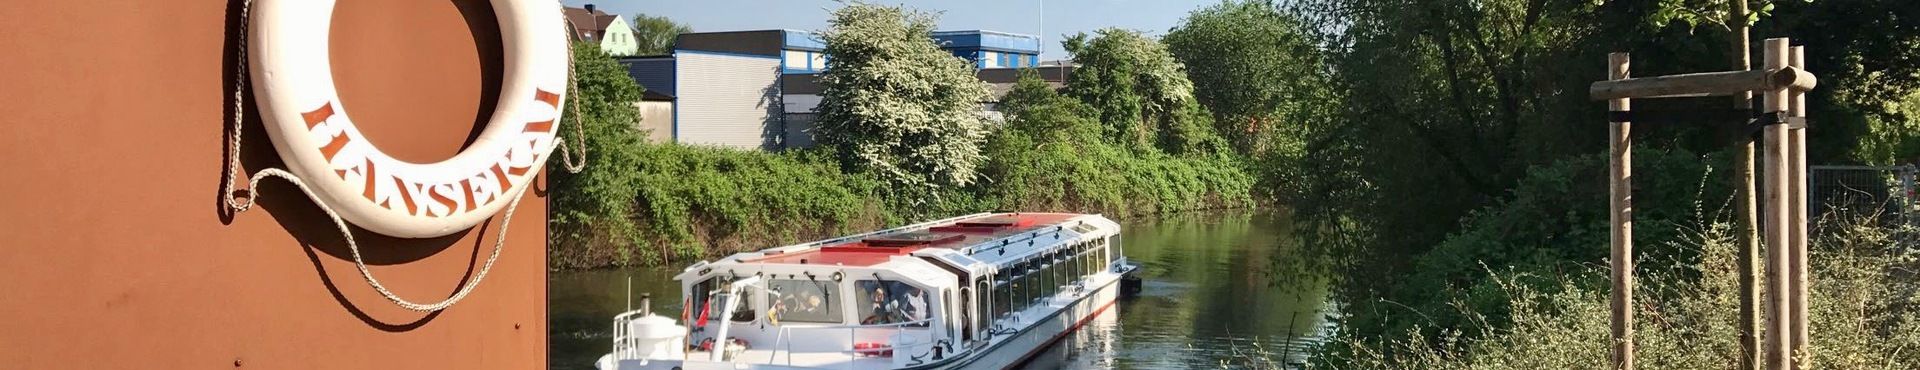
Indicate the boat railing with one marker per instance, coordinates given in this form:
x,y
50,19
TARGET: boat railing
x,y
625,345
785,337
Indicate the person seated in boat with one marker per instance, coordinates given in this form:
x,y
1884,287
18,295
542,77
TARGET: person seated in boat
x,y
916,307
814,305
877,306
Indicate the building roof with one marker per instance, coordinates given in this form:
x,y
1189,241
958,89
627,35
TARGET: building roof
x,y
984,32
999,80
589,24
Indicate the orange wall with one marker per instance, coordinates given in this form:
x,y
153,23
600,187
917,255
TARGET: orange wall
x,y
115,251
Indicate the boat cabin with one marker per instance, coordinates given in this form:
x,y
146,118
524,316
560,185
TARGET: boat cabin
x,y
912,295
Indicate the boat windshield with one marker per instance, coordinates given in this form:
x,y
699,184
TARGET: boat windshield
x,y
890,302
809,301
711,305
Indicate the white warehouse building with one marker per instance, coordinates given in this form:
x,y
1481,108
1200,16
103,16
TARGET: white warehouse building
x,y
756,90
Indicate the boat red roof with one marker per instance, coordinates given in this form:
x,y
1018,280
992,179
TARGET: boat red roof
x,y
877,249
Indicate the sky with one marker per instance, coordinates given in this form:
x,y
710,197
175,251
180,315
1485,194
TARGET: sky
x,y
1061,17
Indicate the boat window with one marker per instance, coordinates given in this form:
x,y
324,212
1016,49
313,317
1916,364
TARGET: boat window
x,y
699,299
1029,283
890,302
1017,293
1087,259
1044,283
1002,294
1065,260
709,296
813,301
743,307
1077,266
981,302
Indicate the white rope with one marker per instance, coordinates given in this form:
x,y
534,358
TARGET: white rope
x,y
361,264
573,92
253,182
239,112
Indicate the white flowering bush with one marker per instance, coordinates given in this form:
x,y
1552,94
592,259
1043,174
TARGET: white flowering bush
x,y
894,104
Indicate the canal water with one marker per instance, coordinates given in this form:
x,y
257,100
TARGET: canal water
x,y
1216,293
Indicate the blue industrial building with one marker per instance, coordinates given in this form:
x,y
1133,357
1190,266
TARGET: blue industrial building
x,y
989,49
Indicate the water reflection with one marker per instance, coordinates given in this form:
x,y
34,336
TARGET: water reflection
x,y
1217,292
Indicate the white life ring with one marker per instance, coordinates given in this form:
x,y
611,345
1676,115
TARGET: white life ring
x,y
293,83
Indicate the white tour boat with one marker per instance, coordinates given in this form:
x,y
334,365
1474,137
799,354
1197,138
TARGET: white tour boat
x,y
983,291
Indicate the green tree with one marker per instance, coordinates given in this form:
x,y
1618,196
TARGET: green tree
x,y
1455,122
1050,154
1867,53
1142,94
894,104
1254,66
655,34
593,209
1034,108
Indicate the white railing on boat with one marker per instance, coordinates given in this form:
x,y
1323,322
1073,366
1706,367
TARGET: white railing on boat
x,y
853,354
625,345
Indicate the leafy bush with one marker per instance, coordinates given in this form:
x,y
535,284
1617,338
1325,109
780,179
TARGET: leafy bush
x,y
1554,220
895,105
1050,156
692,202
640,203
1140,93
590,209
1255,67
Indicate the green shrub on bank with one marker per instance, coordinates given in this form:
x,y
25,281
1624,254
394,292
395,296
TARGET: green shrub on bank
x,y
1051,155
694,202
668,204
590,209
1554,220
1863,305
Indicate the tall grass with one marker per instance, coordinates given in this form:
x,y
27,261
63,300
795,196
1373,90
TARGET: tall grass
x,y
1863,306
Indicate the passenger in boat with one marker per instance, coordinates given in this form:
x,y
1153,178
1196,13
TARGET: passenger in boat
x,y
878,305
916,305
814,305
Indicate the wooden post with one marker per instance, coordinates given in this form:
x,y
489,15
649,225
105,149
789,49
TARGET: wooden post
x,y
1797,258
1620,202
1747,221
1724,83
1775,185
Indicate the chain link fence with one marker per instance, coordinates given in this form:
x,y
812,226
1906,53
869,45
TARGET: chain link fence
x,y
1883,192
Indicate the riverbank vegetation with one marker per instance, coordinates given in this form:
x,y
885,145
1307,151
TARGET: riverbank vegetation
x,y
1862,305
1441,158
1451,176
900,141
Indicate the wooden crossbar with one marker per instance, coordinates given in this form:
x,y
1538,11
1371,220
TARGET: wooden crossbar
x,y
1703,84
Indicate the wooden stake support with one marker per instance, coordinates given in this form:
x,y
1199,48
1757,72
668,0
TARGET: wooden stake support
x,y
1620,216
1783,85
1797,218
1775,183
1703,84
